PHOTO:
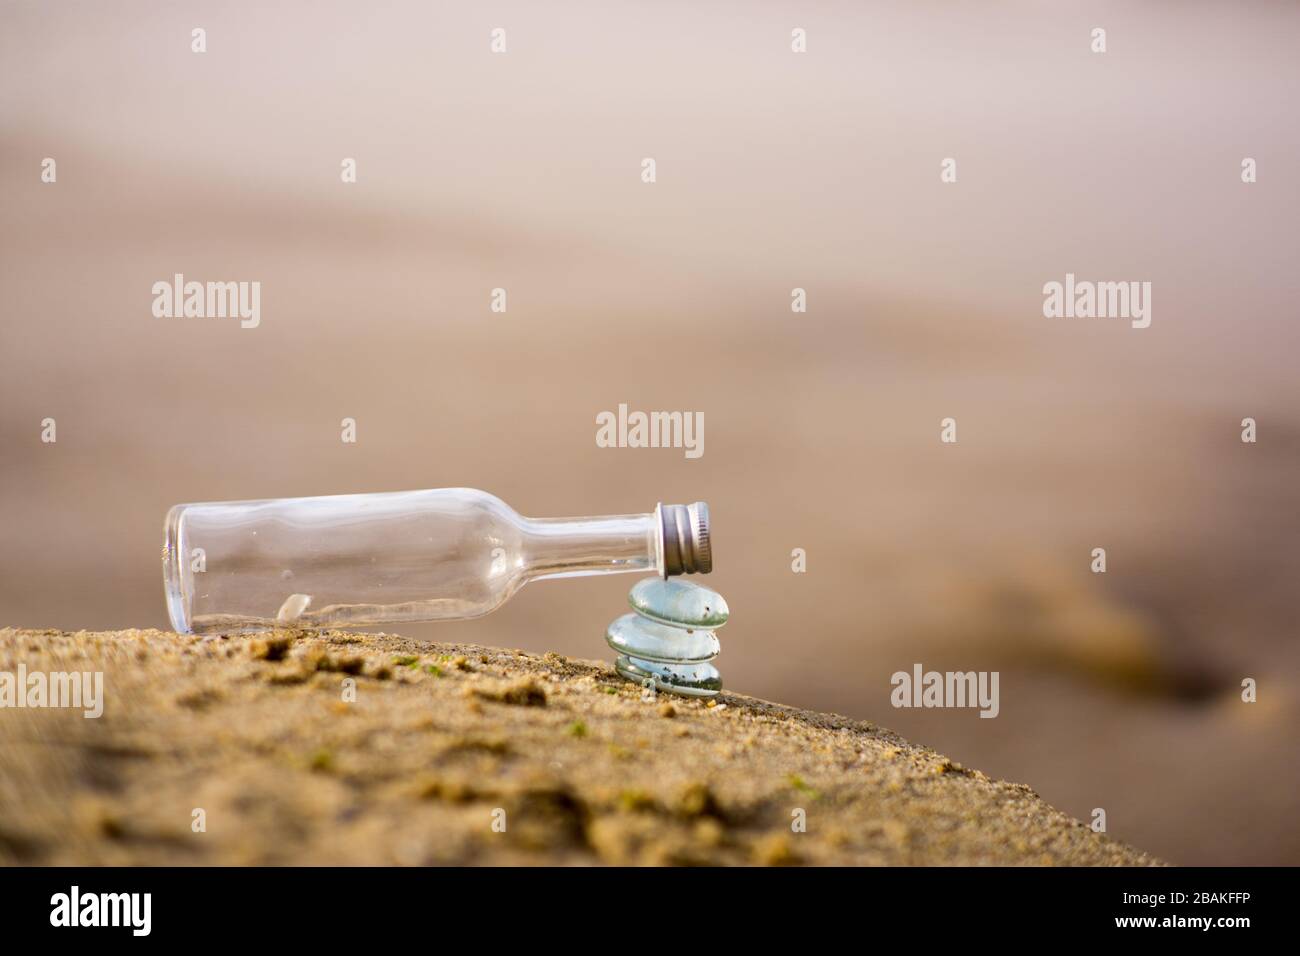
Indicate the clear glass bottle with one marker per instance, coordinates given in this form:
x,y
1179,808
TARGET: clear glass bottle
x,y
359,560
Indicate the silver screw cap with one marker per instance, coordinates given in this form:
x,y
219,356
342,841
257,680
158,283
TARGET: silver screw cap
x,y
687,546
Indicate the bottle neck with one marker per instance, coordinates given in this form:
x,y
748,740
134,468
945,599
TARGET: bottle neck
x,y
574,547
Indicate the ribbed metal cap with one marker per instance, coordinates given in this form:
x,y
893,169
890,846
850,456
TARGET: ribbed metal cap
x,y
687,546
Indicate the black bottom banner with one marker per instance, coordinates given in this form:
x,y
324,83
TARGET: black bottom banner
x,y
338,905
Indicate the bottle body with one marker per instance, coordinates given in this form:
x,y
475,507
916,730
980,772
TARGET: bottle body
x,y
371,559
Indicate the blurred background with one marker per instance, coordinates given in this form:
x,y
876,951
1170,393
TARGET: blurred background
x,y
775,171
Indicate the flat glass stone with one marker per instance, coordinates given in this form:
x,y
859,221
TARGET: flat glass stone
x,y
688,680
680,603
648,640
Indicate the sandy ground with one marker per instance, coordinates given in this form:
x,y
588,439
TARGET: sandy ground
x,y
442,741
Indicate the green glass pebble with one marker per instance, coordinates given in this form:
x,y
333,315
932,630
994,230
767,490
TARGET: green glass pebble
x,y
679,603
688,680
648,640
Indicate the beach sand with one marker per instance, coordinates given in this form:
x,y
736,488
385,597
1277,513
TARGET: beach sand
x,y
461,754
